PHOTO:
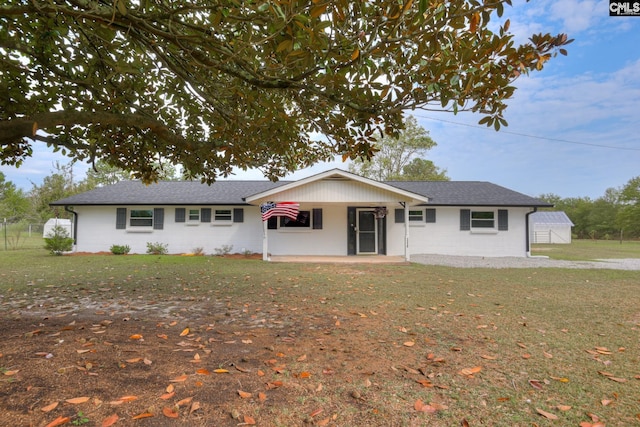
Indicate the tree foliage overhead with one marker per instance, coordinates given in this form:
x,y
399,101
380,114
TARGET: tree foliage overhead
x,y
215,84
402,158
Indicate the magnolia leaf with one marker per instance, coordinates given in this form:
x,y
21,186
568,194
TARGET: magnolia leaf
x,y
77,400
50,407
143,415
185,401
136,337
110,420
250,421
244,394
59,421
180,379
184,332
170,412
547,415
194,407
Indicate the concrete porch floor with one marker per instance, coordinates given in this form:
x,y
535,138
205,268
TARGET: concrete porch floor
x,y
353,259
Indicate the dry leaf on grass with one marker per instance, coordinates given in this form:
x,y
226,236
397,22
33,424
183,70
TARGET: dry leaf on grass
x,y
547,415
110,420
50,407
77,400
170,412
59,421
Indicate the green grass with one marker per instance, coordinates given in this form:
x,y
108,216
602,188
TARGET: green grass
x,y
518,325
587,250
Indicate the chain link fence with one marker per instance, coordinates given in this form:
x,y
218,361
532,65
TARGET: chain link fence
x,y
21,235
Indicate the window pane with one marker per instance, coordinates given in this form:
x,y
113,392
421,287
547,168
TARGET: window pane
x,y
303,220
141,218
223,215
482,219
194,214
415,216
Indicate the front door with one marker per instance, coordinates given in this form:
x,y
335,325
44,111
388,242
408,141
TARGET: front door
x,y
366,232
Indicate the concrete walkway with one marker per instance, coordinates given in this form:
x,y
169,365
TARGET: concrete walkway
x,y
355,259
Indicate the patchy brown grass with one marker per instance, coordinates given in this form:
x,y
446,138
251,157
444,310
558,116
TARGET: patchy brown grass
x,y
227,342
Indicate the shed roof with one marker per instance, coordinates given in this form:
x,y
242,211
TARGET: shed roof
x,y
550,218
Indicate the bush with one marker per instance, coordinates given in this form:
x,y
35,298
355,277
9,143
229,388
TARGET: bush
x,y
224,250
156,248
58,241
199,251
120,249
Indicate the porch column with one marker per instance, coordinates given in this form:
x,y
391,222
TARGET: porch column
x,y
407,256
265,241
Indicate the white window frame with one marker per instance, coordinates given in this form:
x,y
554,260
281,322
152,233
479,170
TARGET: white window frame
x,y
491,224
416,215
193,215
133,222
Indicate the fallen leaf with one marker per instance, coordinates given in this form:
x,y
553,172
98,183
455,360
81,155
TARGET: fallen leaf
x,y
563,408
185,401
170,412
221,371
9,373
184,332
487,357
59,421
468,372
168,396
316,412
323,422
110,420
169,388
194,407
535,384
249,420
77,400
143,415
409,343
136,337
128,398
203,371
244,394
180,379
547,415
422,407
134,360
50,407
618,380
606,402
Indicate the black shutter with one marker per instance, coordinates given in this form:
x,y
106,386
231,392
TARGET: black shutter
x,y
317,219
121,218
272,223
205,215
238,215
399,215
503,219
158,218
430,215
180,214
465,219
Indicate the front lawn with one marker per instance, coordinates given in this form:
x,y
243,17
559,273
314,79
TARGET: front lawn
x,y
144,340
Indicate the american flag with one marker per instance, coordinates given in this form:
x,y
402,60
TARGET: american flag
x,y
288,209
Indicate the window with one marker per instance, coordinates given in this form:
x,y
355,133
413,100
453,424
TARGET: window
x,y
482,219
303,220
222,215
194,214
417,216
141,218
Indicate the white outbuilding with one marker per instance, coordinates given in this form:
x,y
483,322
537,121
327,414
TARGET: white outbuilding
x,y
550,227
53,222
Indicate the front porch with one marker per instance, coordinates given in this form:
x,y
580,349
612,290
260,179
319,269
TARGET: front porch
x,y
357,259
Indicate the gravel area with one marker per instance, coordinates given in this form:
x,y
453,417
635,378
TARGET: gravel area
x,y
516,262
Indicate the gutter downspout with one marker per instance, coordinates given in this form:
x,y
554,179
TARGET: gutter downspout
x,y
74,230
528,243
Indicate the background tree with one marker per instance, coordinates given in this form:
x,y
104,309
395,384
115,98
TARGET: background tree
x,y
401,157
14,204
210,85
629,216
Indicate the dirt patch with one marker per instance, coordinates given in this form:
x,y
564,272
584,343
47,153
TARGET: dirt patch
x,y
204,363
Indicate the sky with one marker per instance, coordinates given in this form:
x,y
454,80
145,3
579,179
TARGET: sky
x,y
574,127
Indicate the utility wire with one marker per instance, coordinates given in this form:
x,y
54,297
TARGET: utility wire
x,y
530,136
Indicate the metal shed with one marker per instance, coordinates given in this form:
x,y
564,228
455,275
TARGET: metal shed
x,y
550,227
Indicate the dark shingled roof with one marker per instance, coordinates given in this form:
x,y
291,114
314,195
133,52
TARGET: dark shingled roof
x,y
468,193
440,193
171,193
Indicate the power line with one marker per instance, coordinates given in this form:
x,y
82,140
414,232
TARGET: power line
x,y
530,136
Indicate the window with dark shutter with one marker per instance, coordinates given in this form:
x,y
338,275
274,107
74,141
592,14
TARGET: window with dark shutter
x,y
180,214
121,218
272,223
399,215
503,219
158,218
430,215
205,215
465,219
317,219
238,215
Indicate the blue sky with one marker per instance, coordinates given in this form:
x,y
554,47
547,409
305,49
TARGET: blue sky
x,y
574,128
